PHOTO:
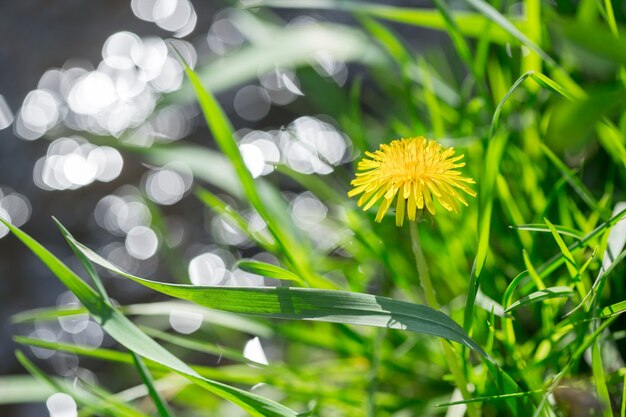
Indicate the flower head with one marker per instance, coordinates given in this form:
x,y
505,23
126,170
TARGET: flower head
x,y
418,170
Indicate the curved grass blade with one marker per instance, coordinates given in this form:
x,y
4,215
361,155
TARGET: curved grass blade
x,y
490,398
206,164
290,47
469,24
46,313
270,271
218,206
148,381
223,133
162,308
494,15
598,283
18,389
593,38
599,377
613,309
198,345
309,304
507,385
109,407
130,336
539,227
558,259
114,356
490,171
576,183
103,354
545,294
570,262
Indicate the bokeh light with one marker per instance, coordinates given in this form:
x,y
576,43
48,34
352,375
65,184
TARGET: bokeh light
x,y
74,323
177,16
122,211
207,269
252,103
167,185
72,162
282,85
253,351
141,242
14,208
224,36
310,145
185,322
6,116
61,405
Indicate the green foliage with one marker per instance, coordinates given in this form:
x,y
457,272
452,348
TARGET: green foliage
x,y
532,270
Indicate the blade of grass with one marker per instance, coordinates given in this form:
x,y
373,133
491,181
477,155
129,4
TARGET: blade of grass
x,y
533,29
604,273
600,379
470,24
570,262
206,164
139,364
461,45
309,304
287,46
221,208
575,182
486,194
148,381
490,398
17,389
431,101
539,227
623,409
613,310
104,354
223,134
198,345
492,14
594,38
111,407
544,294
490,171
400,55
269,270
113,356
558,259
214,317
127,334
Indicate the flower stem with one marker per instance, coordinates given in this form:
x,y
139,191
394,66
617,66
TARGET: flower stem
x,y
431,300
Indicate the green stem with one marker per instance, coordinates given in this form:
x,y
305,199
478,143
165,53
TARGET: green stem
x,y
431,300
373,372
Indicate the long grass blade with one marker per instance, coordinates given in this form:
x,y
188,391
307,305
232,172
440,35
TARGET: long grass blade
x,y
148,381
309,304
223,134
127,334
545,294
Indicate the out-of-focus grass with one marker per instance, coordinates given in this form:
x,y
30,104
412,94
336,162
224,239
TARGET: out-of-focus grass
x,y
531,272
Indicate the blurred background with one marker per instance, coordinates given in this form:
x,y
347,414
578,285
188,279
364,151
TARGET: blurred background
x,y
91,93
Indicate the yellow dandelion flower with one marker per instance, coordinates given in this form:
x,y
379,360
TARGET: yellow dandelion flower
x,y
418,170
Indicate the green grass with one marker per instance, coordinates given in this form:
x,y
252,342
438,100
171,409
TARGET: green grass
x,y
529,278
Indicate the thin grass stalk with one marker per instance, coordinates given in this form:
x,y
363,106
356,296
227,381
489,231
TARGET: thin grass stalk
x,y
455,366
